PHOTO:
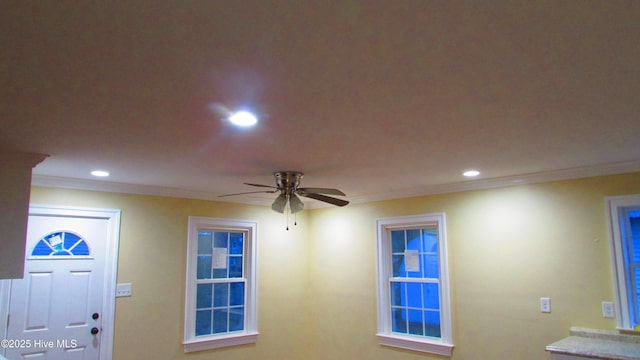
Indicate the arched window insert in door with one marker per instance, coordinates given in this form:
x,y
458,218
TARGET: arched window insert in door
x,y
61,243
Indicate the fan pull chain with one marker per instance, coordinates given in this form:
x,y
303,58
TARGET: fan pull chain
x,y
287,211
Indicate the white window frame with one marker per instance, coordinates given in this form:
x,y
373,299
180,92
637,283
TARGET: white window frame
x,y
615,206
250,333
439,346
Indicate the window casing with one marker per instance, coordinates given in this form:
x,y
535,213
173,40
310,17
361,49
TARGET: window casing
x,y
221,295
413,287
624,226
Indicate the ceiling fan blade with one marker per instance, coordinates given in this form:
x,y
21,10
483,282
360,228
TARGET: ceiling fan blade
x,y
280,203
327,199
250,192
295,204
260,185
321,191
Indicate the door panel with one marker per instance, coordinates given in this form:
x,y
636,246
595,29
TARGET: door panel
x,y
37,312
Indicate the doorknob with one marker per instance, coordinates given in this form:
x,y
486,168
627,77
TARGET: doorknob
x,y
94,331
95,316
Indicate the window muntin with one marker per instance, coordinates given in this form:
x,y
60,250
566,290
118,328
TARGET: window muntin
x,y
413,293
60,244
220,283
414,290
221,286
624,221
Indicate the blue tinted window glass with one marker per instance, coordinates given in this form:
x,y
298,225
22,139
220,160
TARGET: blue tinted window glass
x,y
413,274
235,266
397,241
415,301
414,295
81,248
634,224
203,322
397,294
42,248
431,296
203,297
413,240
236,319
204,242
429,263
429,240
630,233
398,266
236,243
70,239
236,294
637,286
204,266
415,324
220,239
61,243
220,295
398,320
432,323
220,320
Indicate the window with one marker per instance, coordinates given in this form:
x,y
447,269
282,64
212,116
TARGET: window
x,y
61,243
624,221
413,290
221,284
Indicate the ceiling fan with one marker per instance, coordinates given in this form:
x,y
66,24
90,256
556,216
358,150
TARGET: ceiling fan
x,y
287,183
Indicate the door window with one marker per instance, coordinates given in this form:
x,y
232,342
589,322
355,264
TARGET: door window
x,y
61,243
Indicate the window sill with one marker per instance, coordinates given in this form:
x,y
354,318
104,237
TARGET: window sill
x,y
415,344
629,331
220,341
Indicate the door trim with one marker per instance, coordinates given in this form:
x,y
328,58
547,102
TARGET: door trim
x,y
110,269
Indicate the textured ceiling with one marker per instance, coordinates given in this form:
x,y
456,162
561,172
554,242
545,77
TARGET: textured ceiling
x,y
380,99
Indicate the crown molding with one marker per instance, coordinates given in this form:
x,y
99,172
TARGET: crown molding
x,y
505,181
479,184
126,188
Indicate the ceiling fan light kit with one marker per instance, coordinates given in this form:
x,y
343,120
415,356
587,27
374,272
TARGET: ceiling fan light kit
x,y
287,183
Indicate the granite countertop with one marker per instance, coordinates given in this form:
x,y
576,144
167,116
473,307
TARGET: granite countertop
x,y
599,344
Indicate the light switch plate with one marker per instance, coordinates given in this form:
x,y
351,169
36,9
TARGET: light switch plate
x,y
123,289
545,305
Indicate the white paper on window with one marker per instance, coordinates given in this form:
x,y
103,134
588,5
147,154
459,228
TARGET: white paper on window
x,y
411,260
219,258
55,241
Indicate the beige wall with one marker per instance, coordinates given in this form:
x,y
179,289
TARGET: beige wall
x,y
149,325
317,292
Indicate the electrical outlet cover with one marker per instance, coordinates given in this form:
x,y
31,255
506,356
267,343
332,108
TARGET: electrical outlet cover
x,y
123,289
545,305
608,310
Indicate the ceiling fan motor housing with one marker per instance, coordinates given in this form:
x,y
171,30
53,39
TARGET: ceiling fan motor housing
x,y
288,181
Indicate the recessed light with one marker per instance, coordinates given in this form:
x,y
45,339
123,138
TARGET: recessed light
x,y
100,173
471,173
243,118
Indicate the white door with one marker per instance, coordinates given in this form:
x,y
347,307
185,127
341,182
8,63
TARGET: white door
x,y
62,307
